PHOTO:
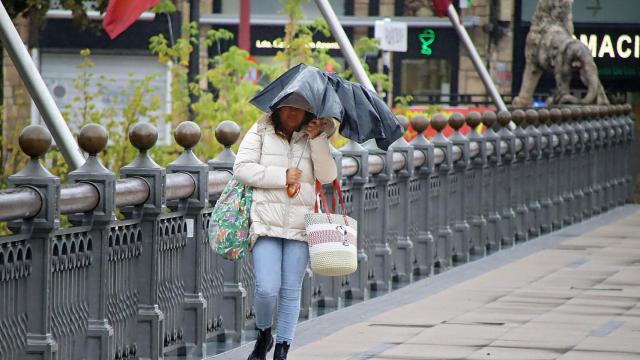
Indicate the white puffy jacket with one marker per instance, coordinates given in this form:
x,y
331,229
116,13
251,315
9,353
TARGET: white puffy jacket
x,y
262,162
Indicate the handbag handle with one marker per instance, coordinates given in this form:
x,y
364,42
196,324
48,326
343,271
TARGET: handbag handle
x,y
336,189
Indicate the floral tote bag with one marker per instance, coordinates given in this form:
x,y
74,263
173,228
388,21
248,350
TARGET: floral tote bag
x,y
230,221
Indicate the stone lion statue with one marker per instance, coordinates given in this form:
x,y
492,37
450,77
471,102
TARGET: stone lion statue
x,y
551,47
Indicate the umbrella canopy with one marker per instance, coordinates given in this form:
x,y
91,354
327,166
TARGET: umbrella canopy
x,y
362,114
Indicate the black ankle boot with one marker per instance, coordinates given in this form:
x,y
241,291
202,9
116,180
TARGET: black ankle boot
x,y
280,353
264,343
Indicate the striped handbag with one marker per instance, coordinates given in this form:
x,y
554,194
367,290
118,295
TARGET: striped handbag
x,y
332,238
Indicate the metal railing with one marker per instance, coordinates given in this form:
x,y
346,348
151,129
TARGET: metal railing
x,y
148,284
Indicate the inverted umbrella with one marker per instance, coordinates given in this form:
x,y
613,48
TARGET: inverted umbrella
x,y
362,114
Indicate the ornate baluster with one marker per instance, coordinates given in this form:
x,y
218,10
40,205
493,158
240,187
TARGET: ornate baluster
x,y
519,180
490,183
151,320
545,181
194,322
380,257
399,219
36,327
475,193
557,166
421,210
358,287
508,156
458,219
443,170
533,174
93,139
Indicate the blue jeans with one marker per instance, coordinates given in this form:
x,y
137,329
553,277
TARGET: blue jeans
x,y
279,265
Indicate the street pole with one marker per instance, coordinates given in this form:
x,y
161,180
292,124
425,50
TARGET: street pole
x,y
475,58
194,56
39,93
345,45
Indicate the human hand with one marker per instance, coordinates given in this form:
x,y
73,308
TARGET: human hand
x,y
293,176
313,129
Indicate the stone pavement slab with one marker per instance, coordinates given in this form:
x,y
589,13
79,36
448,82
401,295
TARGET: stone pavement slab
x,y
569,295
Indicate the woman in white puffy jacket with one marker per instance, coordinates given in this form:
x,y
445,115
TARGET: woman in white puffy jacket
x,y
268,161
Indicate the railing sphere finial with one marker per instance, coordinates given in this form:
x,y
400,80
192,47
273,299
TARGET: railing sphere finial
x,y
474,119
627,109
35,140
544,115
567,114
420,123
93,138
489,119
403,121
532,117
438,122
556,115
577,114
143,136
518,116
227,133
504,118
456,121
187,134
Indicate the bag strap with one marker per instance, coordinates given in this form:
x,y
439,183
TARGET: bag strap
x,y
337,189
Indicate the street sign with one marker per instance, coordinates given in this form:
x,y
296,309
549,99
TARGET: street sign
x,y
392,35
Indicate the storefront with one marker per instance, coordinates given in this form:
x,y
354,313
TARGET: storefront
x,y
428,71
611,31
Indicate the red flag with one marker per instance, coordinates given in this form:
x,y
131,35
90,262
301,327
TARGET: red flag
x,y
122,13
440,6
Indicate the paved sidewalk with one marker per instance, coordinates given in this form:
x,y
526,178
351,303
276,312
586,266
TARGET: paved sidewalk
x,y
573,294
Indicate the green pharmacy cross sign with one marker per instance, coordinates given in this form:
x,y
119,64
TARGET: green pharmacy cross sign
x,y
427,37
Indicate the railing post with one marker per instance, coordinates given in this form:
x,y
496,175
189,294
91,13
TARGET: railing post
x,y
568,170
557,165
400,220
619,154
376,199
490,183
194,322
520,182
475,192
35,321
420,210
93,139
358,288
630,121
580,180
591,150
151,327
533,174
233,287
547,163
597,143
609,154
441,183
457,197
504,179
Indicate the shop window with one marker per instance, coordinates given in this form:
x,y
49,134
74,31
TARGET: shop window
x,y
422,77
272,7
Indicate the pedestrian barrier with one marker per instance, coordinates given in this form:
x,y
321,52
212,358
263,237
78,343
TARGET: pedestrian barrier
x,y
148,283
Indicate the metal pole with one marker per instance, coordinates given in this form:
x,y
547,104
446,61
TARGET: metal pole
x,y
194,56
475,58
345,45
39,92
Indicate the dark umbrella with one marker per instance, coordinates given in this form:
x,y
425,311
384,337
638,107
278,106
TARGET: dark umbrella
x,y
362,114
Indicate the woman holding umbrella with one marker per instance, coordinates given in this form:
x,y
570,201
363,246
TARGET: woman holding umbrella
x,y
281,157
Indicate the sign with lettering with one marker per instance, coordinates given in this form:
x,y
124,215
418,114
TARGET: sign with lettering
x,y
392,35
